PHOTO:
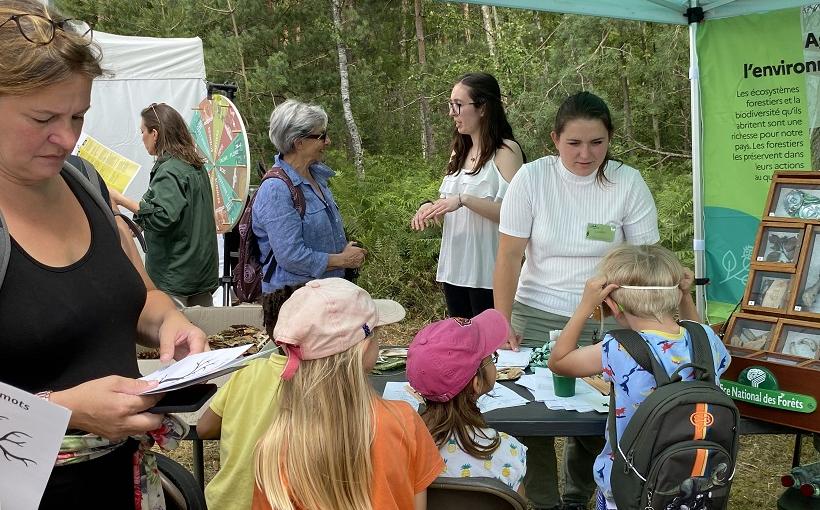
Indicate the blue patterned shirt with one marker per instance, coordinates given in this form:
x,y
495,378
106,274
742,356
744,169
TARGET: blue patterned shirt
x,y
300,245
633,384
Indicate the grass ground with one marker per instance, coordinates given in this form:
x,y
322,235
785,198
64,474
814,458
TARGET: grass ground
x,y
762,460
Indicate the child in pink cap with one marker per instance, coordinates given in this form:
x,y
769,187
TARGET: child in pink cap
x,y
451,363
333,442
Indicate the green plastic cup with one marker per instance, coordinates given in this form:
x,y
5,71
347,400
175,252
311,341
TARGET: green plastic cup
x,y
564,386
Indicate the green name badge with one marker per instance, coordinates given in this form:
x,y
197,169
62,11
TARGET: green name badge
x,y
597,232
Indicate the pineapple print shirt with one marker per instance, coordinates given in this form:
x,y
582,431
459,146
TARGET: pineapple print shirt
x,y
508,462
633,384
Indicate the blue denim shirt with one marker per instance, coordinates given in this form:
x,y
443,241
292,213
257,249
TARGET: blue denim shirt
x,y
300,246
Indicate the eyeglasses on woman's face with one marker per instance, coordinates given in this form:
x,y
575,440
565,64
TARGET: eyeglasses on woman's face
x,y
454,107
320,136
40,29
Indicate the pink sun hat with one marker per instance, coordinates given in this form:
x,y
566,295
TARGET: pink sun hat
x,y
329,316
445,355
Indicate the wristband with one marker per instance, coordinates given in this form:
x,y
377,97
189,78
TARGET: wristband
x,y
45,395
425,202
460,203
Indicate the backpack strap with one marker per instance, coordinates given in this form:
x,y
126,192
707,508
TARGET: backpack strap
x,y
298,203
92,188
635,346
702,358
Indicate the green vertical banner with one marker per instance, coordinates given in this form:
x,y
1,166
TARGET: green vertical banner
x,y
760,86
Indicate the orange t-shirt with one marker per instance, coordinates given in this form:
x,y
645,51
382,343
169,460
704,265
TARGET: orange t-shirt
x,y
405,458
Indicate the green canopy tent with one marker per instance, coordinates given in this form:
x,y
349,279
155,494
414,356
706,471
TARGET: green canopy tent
x,y
678,12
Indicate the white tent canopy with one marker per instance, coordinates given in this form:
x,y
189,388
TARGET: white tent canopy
x,y
141,71
671,12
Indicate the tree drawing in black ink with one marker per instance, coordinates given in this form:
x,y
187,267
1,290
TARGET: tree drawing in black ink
x,y
15,437
201,366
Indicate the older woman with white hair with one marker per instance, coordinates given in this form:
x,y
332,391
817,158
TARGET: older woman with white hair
x,y
295,217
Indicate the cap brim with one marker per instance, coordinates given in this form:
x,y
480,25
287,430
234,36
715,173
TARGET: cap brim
x,y
388,312
494,329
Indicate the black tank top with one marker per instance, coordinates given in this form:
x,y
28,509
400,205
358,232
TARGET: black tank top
x,y
60,327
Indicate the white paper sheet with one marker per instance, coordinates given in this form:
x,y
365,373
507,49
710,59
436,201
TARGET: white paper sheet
x,y
31,431
586,397
197,368
500,397
520,359
395,390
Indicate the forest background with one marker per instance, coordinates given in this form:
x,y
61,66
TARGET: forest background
x,y
383,70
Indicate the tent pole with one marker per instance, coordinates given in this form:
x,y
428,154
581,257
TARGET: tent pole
x,y
698,243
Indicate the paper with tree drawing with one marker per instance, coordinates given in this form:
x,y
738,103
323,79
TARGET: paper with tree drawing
x,y
31,431
117,171
200,367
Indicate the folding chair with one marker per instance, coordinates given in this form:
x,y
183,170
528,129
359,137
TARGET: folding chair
x,y
479,493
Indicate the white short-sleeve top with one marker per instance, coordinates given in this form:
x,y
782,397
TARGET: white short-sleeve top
x,y
553,208
469,241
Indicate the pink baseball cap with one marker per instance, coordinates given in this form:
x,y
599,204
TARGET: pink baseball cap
x,y
329,316
445,355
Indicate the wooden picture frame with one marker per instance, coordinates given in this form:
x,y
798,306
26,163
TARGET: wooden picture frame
x,y
798,338
778,246
794,200
769,291
745,330
806,296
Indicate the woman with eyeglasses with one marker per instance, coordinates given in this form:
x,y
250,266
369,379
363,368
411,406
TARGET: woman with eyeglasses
x,y
295,217
72,304
177,211
485,157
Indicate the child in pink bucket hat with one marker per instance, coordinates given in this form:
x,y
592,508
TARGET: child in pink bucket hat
x,y
333,442
451,363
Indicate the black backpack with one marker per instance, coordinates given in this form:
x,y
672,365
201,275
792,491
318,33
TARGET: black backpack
x,y
247,274
679,449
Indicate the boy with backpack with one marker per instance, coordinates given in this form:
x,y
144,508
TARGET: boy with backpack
x,y
672,432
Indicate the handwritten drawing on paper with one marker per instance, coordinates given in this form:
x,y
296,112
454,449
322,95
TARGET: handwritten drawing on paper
x,y
31,431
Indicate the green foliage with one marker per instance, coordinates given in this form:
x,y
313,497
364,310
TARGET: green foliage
x,y
278,49
401,263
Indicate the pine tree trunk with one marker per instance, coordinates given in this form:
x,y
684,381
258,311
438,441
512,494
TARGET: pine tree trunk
x,y
488,29
239,45
656,130
467,36
428,146
403,33
627,103
350,122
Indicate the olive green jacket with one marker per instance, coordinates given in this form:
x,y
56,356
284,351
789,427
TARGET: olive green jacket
x,y
177,213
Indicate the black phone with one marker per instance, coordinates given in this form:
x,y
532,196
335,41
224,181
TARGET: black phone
x,y
185,400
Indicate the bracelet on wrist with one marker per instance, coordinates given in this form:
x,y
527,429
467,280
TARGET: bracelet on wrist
x,y
45,395
460,203
425,202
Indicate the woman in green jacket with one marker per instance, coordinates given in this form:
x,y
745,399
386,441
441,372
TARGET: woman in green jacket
x,y
177,211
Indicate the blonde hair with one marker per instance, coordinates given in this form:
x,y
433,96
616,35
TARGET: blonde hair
x,y
459,418
316,452
26,67
647,265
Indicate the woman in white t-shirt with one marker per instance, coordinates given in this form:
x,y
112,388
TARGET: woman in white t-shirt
x,y
484,159
564,213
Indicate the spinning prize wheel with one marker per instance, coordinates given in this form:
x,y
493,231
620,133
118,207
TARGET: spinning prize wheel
x,y
221,139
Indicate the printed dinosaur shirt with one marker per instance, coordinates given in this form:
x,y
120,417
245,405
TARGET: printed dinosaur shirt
x,y
633,384
508,462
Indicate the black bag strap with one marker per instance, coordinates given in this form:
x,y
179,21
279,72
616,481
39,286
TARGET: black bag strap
x,y
702,359
92,188
635,346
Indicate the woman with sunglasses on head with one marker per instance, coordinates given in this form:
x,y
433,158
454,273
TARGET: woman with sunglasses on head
x,y
564,213
295,217
485,157
177,211
72,304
